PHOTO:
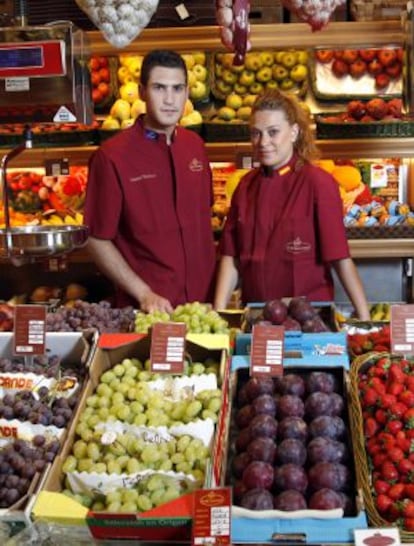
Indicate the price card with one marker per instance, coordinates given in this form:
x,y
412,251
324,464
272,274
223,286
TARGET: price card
x,y
167,347
266,355
377,537
212,517
402,329
29,330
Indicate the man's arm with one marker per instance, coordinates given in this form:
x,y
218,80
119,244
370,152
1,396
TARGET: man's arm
x,y
111,262
226,281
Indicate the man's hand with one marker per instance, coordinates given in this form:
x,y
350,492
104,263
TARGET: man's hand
x,y
153,302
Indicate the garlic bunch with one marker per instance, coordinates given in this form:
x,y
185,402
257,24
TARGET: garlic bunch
x,y
119,21
315,12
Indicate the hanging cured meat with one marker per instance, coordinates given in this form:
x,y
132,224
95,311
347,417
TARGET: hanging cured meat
x,y
233,20
315,12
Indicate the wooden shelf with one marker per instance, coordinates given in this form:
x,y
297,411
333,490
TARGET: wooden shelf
x,y
206,38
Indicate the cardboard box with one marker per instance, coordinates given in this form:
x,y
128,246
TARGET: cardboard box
x,y
75,349
255,528
169,522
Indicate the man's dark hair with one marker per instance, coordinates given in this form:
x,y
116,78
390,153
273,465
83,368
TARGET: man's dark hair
x,y
161,57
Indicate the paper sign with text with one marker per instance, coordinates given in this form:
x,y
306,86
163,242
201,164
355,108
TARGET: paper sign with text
x,y
167,347
402,329
377,537
267,350
212,517
29,330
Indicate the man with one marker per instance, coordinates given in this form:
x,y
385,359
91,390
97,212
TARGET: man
x,y
149,196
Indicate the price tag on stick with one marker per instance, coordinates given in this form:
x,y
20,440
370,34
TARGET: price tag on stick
x,y
167,347
29,330
266,357
212,517
402,329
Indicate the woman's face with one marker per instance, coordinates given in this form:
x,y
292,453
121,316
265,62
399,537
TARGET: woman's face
x,y
272,137
165,96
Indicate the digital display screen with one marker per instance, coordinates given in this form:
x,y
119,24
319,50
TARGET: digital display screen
x,y
21,57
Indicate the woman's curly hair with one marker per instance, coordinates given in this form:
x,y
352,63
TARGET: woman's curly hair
x,y
305,145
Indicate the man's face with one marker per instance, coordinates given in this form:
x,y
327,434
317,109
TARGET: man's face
x,y
165,96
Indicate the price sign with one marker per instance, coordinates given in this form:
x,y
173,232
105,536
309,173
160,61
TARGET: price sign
x,y
167,347
376,537
402,329
29,329
266,355
212,517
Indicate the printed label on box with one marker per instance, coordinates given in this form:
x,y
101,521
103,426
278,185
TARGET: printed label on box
x,y
267,350
212,517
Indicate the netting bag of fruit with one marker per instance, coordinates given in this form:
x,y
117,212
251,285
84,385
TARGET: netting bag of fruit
x,y
119,21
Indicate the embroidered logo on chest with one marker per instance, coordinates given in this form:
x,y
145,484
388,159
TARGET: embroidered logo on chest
x,y
195,165
297,246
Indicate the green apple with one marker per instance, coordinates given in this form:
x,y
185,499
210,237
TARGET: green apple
x,y
239,89
223,87
226,113
266,57
198,90
234,101
256,88
244,113
279,72
299,73
200,72
278,56
264,74
247,78
302,56
287,84
218,70
289,59
253,62
229,77
199,57
272,84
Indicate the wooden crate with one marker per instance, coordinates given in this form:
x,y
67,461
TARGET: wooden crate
x,y
265,11
377,10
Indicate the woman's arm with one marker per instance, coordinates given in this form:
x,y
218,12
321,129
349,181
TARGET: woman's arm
x,y
351,281
227,279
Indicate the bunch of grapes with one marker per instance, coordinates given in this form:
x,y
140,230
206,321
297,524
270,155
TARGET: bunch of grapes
x,y
148,493
19,462
47,366
46,410
82,315
131,454
199,318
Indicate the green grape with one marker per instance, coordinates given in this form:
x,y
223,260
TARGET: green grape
x,y
166,465
190,455
183,442
92,401
114,384
84,465
157,496
144,376
133,466
113,496
177,458
99,468
196,444
107,376
103,390
154,482
144,503
128,508
117,398
136,407
87,435
117,449
79,449
103,402
70,464
118,370
98,506
123,461
198,368
113,507
80,427
129,495
198,475
93,451
178,411
113,467
103,414
214,405
150,454
140,419
193,409
93,420
131,372
125,386
170,494
183,467
131,394
123,413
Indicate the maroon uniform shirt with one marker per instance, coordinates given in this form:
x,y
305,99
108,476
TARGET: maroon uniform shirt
x,y
283,230
153,202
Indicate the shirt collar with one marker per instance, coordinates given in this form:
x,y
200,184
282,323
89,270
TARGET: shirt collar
x,y
285,169
150,134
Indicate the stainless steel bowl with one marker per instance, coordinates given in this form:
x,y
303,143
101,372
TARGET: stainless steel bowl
x,y
41,241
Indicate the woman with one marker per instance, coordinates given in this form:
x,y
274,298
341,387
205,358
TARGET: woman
x,y
285,230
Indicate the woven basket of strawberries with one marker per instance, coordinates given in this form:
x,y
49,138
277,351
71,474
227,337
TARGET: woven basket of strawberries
x,y
382,419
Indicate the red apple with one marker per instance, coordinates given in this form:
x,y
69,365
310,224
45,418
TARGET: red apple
x,y
340,68
395,107
374,67
377,108
338,53
324,55
349,56
382,80
394,70
366,119
368,55
400,54
356,109
387,56
358,68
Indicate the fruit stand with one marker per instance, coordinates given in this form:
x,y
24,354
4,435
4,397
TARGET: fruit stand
x,y
102,474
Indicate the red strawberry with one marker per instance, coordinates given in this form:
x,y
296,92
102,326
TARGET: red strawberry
x,y
408,509
408,418
383,503
381,486
370,427
396,454
408,524
389,471
396,491
394,426
407,398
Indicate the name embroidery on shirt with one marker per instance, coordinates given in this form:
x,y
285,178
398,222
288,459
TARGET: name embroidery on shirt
x,y
195,165
297,246
142,177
